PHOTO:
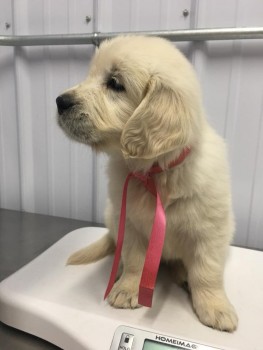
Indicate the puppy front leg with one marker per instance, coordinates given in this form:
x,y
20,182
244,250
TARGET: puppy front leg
x,y
124,293
205,278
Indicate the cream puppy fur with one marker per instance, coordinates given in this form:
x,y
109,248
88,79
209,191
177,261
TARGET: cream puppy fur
x,y
141,104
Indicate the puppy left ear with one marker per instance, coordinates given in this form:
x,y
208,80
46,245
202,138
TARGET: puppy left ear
x,y
161,123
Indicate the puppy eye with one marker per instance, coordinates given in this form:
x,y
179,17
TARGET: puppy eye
x,y
114,84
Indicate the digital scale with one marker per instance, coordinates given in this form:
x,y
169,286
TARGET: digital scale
x,y
64,304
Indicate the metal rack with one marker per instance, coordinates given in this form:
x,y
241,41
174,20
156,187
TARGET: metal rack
x,y
97,38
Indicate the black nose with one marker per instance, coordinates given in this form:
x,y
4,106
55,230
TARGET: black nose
x,y
64,102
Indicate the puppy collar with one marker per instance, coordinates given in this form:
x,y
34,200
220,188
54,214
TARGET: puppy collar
x,y
156,169
155,247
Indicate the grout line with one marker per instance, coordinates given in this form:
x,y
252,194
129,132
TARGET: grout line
x,y
19,152
255,172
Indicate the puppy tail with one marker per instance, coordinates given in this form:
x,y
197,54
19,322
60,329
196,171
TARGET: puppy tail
x,y
94,252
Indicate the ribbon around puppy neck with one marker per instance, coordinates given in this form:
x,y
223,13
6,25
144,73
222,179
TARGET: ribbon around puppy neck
x,y
155,247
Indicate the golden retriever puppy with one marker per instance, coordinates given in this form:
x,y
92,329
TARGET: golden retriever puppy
x,y
141,104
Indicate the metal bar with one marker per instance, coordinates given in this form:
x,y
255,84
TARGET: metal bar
x,y
97,38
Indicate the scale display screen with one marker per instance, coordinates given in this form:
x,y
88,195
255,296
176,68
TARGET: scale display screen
x,y
129,338
153,345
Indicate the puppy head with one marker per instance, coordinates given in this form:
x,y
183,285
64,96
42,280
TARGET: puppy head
x,y
141,97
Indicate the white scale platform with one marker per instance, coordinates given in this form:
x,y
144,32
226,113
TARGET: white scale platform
x,y
64,304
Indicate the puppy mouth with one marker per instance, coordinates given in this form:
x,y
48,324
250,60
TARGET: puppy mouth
x,y
76,125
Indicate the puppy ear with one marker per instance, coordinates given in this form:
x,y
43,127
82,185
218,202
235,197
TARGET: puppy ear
x,y
160,123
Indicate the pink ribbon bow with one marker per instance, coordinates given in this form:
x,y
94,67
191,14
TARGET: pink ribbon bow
x,y
155,247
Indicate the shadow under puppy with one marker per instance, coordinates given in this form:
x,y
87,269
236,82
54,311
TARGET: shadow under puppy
x,y
141,104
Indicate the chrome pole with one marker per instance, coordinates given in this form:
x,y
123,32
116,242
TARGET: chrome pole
x,y
97,38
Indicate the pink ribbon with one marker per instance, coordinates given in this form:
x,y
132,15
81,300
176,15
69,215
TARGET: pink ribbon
x,y
156,242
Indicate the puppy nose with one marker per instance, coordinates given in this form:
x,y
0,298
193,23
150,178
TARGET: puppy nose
x,y
64,102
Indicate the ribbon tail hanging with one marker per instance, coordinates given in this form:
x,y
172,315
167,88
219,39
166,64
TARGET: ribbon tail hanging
x,y
120,238
153,255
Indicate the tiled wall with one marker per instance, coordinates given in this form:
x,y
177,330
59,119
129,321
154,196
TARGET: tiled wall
x,y
42,171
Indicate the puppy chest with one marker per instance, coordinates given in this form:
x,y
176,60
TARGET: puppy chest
x,y
141,208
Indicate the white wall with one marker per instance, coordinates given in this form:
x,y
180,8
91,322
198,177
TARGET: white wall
x,y
42,171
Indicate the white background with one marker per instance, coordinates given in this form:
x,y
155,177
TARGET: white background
x,y
44,172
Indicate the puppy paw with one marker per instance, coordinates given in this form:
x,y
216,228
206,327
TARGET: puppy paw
x,y
216,312
124,296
